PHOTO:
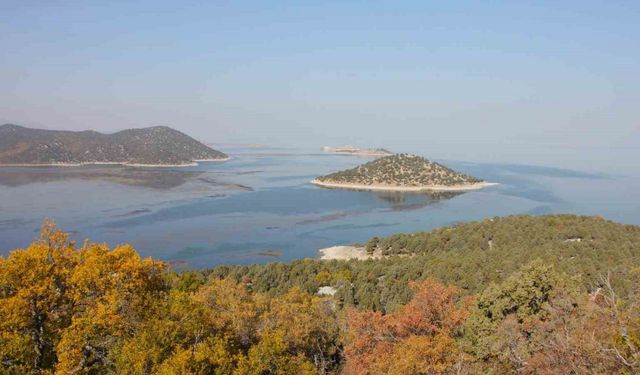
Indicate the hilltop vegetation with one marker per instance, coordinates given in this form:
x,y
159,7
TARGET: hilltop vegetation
x,y
400,170
469,255
536,301
158,145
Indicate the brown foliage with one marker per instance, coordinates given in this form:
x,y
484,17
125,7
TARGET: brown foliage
x,y
416,339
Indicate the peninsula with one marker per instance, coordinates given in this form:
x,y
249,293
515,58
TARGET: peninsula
x,y
401,172
158,146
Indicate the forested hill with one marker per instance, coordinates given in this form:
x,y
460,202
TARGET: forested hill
x,y
469,255
518,295
158,145
402,170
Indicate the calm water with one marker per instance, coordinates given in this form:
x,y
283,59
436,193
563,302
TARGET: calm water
x,y
259,207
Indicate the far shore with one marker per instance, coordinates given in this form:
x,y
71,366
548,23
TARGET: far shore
x,y
346,253
382,187
359,153
124,164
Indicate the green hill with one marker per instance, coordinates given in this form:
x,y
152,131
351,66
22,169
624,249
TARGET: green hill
x,y
470,255
159,145
401,170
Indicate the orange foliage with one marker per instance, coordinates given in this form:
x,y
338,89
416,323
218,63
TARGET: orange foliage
x,y
416,339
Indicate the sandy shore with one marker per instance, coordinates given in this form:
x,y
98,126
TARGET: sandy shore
x,y
124,164
382,187
345,253
207,160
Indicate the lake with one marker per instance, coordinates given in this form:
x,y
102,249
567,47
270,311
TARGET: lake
x,y
259,207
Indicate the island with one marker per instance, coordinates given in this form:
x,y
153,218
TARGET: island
x,y
401,172
158,146
350,150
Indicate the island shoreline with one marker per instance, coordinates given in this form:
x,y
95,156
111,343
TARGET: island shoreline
x,y
381,187
121,164
363,153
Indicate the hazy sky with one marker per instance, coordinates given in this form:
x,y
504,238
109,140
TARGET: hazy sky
x,y
456,79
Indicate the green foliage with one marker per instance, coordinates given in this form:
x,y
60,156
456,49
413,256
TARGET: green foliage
x,y
400,170
470,255
510,307
154,145
523,295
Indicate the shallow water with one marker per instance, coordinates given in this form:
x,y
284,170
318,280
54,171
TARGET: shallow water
x,y
259,207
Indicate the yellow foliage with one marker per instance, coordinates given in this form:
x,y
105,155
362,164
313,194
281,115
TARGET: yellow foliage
x,y
70,305
210,357
270,356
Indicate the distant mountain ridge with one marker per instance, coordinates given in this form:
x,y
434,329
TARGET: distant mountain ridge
x,y
158,145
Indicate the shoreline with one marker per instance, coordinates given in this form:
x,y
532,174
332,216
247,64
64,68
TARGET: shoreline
x,y
357,153
122,164
345,253
381,187
349,150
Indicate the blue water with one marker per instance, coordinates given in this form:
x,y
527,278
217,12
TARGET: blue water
x,y
259,207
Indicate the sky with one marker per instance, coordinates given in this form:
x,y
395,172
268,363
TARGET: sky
x,y
499,80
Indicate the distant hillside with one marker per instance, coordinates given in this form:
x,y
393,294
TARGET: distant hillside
x,y
401,170
159,145
350,150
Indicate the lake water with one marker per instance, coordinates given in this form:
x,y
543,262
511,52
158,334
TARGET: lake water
x,y
259,207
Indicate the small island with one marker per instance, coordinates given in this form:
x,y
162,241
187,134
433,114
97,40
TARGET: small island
x,y
158,146
350,150
401,172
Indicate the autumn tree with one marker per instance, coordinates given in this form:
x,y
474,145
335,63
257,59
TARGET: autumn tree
x,y
306,325
418,338
206,331
115,291
91,309
539,322
271,356
36,304
64,309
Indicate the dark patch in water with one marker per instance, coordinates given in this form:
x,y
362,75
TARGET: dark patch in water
x,y
15,223
354,226
239,187
134,212
231,186
548,171
531,192
156,178
269,253
323,218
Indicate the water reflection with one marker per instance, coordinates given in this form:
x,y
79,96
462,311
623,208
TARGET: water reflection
x,y
156,178
401,198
